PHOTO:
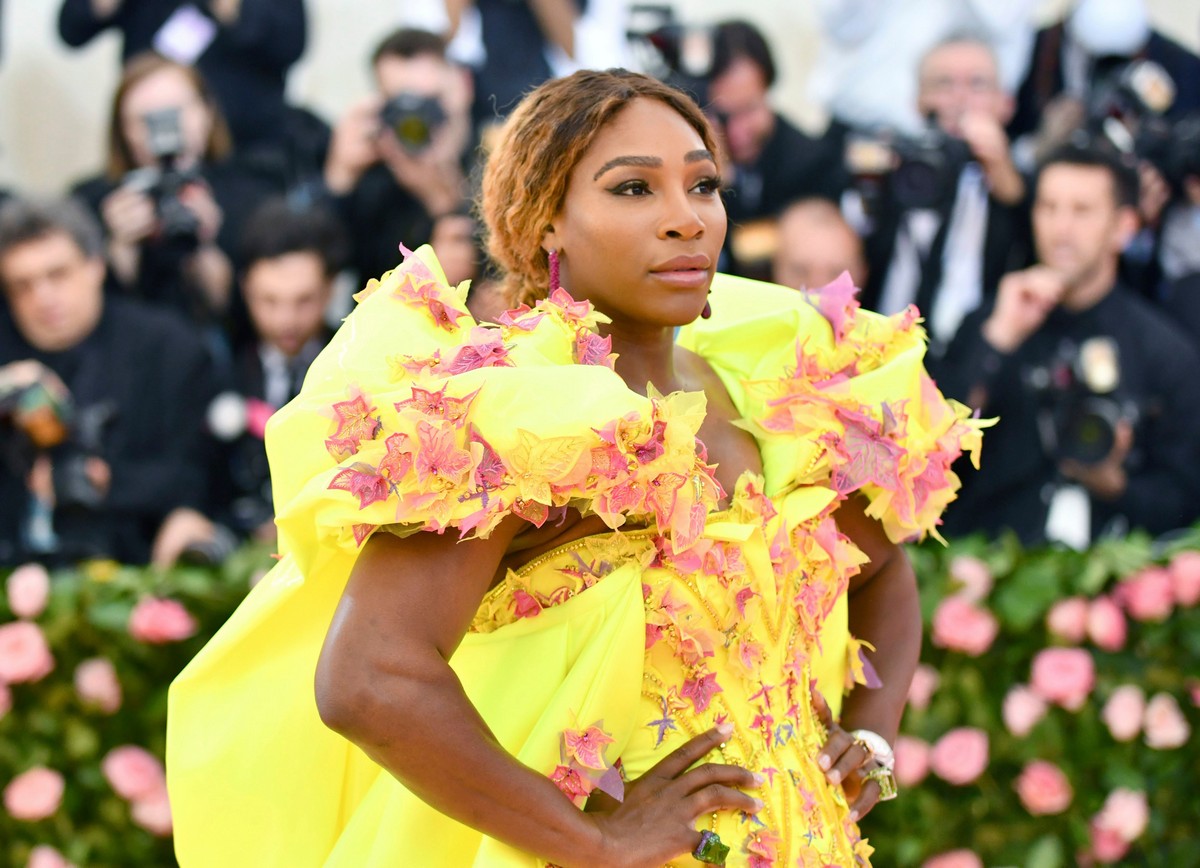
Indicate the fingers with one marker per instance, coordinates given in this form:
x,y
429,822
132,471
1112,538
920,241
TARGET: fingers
x,y
851,759
717,797
717,773
682,758
822,708
868,797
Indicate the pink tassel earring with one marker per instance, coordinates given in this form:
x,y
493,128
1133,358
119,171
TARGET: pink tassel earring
x,y
707,311
552,256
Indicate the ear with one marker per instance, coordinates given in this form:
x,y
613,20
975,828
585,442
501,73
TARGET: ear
x,y
1127,225
96,269
550,239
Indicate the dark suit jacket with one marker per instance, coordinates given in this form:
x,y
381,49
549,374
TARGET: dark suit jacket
x,y
1044,81
1007,246
156,375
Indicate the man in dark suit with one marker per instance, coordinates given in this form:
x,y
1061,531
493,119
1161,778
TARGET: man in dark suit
x,y
770,162
102,452
947,256
290,256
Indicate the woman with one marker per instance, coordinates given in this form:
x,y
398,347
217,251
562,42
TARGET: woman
x,y
169,199
549,662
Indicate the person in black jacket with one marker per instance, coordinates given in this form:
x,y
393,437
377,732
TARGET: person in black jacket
x,y
290,258
1096,391
244,48
102,437
390,191
770,162
946,255
172,242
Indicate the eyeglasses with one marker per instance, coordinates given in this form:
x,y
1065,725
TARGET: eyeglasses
x,y
944,84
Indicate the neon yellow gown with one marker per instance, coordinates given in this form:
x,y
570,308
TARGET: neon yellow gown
x,y
594,660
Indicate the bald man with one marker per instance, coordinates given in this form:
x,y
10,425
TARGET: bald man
x,y
815,245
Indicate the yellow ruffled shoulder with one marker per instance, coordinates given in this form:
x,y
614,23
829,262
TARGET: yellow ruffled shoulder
x,y
838,397
419,418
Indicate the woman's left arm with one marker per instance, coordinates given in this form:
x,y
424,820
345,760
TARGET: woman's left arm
x,y
884,611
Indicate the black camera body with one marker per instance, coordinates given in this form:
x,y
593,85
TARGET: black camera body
x,y
1080,402
914,171
413,119
1128,107
178,226
677,54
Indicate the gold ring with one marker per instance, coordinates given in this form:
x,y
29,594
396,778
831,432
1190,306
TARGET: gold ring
x,y
886,780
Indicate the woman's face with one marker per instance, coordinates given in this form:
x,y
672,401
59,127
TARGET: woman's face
x,y
643,222
165,89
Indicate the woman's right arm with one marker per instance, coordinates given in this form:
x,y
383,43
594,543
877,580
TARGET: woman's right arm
x,y
384,682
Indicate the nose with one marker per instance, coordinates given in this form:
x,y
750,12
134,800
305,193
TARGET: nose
x,y
681,220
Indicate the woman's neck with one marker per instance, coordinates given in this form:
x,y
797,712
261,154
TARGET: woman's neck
x,y
645,354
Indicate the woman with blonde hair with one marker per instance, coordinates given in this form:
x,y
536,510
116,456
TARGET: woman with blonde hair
x,y
562,583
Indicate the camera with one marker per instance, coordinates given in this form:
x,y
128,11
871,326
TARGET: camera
x,y
1128,108
178,225
1080,403
413,119
914,171
677,54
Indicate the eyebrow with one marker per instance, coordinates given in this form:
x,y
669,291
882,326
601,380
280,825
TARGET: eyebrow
x,y
652,162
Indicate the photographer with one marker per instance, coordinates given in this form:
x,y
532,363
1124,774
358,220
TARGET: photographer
x,y
1095,389
290,259
769,161
949,219
169,200
243,48
101,404
400,158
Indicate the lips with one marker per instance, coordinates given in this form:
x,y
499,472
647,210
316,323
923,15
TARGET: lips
x,y
696,262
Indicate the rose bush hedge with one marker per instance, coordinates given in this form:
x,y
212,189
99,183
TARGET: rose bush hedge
x,y
1052,720
1050,723
86,656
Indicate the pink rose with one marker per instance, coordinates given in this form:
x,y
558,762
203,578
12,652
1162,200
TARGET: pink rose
x,y
97,685
28,590
973,576
1107,845
1148,595
954,859
1125,812
153,813
1044,789
960,625
1123,712
912,760
1194,690
133,773
1064,676
1067,619
24,654
45,856
1106,624
960,756
157,621
1022,710
1185,578
1166,727
35,794
921,688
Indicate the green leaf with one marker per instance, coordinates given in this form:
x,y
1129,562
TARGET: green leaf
x,y
1024,596
112,616
1047,852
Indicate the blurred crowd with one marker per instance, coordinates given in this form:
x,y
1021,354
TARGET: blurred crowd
x,y
1035,193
